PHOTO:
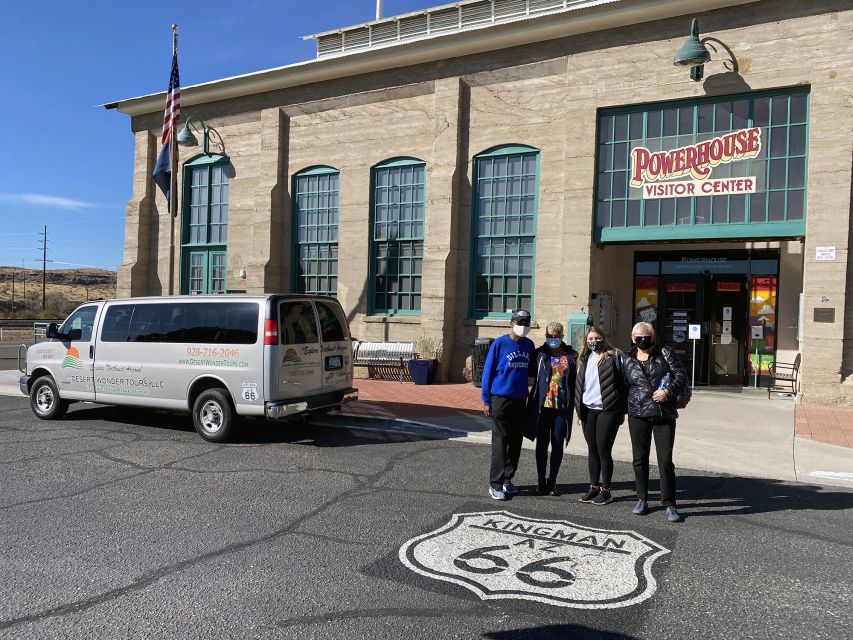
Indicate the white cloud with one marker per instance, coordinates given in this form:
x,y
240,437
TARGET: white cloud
x,y
42,200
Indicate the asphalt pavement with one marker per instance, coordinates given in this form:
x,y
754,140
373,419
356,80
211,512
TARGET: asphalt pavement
x,y
119,523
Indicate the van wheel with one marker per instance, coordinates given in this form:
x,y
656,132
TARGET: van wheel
x,y
45,401
213,415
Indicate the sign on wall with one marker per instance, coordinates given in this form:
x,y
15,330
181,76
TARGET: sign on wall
x,y
660,173
498,554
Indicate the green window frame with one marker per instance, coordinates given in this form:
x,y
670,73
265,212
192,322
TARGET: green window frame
x,y
778,207
397,218
204,233
316,193
503,234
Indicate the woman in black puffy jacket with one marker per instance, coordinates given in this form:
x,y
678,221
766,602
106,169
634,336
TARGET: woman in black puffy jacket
x,y
655,378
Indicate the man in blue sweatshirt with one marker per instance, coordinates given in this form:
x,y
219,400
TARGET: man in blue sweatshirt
x,y
504,398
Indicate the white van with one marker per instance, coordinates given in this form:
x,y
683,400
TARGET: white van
x,y
217,357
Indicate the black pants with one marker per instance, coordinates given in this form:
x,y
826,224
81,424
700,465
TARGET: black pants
x,y
508,415
551,429
663,430
599,430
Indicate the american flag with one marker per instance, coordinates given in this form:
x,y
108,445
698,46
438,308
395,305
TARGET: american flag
x,y
163,172
173,102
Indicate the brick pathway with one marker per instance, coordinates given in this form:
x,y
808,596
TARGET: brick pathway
x,y
825,424
390,399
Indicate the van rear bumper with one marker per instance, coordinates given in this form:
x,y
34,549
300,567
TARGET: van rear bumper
x,y
277,410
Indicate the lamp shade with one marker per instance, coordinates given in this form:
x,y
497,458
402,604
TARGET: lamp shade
x,y
692,52
186,137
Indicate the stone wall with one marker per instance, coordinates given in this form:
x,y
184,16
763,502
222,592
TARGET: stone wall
x,y
545,95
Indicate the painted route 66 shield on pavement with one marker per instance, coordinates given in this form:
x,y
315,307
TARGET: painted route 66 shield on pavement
x,y
498,554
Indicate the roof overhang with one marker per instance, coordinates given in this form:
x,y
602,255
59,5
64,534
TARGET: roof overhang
x,y
597,15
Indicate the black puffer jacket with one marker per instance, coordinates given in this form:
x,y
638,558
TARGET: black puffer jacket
x,y
643,383
610,379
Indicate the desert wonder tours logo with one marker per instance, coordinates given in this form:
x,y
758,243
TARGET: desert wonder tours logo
x,y
658,172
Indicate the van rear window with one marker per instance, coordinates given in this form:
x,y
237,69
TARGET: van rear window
x,y
184,322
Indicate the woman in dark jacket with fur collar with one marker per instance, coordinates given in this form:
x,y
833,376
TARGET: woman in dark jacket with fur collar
x,y
652,412
551,403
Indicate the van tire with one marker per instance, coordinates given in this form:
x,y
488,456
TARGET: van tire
x,y
213,415
45,401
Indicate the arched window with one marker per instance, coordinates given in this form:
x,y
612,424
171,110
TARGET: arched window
x,y
397,236
506,188
315,230
204,236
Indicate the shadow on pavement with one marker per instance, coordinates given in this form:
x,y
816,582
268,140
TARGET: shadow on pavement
x,y
701,496
556,631
249,430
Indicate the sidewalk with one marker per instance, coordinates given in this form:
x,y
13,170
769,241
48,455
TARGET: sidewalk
x,y
725,431
733,431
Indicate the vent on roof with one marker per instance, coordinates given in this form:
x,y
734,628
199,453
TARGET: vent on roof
x,y
384,32
507,8
545,5
413,26
476,13
357,38
444,20
332,43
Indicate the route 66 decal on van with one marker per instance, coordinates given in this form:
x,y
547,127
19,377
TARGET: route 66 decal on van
x,y
498,554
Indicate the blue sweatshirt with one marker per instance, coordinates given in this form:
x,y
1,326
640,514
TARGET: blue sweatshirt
x,y
505,371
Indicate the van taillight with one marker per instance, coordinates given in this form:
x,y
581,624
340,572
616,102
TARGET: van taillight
x,y
270,332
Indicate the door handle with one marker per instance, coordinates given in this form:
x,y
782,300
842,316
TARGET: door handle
x,y
91,351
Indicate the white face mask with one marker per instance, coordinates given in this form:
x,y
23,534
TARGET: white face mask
x,y
520,330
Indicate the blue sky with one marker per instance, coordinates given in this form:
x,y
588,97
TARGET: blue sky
x,y
67,163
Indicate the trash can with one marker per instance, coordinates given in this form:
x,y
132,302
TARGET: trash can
x,y
479,351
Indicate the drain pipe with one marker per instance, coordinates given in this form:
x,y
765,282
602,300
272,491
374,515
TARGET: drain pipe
x,y
378,9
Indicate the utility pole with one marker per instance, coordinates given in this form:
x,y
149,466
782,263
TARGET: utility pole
x,y
13,294
43,267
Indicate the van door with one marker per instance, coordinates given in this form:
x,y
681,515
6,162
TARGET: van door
x,y
337,349
299,367
76,371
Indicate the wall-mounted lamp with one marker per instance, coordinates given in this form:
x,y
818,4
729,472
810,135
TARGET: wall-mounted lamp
x,y
186,138
243,274
692,54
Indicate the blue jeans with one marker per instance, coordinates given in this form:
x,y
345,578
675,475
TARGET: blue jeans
x,y
550,429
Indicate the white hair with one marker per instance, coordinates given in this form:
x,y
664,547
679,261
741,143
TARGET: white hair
x,y
643,328
554,327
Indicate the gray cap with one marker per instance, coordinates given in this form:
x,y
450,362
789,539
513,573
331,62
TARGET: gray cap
x,y
521,315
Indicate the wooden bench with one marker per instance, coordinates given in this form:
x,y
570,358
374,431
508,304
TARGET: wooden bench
x,y
784,376
382,357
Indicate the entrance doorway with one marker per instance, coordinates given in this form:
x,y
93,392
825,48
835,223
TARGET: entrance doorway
x,y
730,295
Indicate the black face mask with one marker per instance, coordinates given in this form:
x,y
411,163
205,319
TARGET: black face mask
x,y
643,342
595,345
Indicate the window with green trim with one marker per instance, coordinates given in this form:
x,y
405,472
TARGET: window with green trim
x,y
205,230
775,208
315,215
397,236
504,235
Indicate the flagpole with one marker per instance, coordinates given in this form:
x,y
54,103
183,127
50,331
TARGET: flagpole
x,y
173,187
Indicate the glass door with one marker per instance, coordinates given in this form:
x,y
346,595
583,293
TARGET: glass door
x,y
728,299
682,305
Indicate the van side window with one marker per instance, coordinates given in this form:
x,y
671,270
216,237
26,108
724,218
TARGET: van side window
x,y
298,325
116,323
79,324
332,322
145,323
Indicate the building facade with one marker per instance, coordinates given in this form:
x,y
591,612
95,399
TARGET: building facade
x,y
436,170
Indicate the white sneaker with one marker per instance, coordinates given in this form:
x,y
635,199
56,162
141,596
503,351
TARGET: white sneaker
x,y
496,494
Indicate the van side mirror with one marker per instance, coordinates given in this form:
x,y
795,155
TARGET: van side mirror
x,y
52,331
